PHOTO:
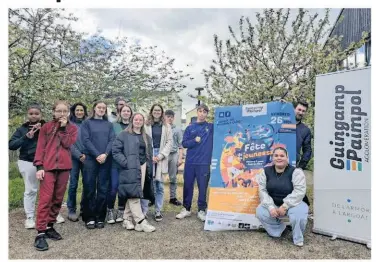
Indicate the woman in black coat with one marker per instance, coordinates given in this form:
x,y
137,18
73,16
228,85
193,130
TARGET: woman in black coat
x,y
132,150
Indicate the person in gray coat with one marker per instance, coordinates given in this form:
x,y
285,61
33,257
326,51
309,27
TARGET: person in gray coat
x,y
132,151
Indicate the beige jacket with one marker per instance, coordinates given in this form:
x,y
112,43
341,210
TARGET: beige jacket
x,y
166,145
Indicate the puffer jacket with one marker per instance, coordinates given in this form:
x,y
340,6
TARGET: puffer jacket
x,y
125,151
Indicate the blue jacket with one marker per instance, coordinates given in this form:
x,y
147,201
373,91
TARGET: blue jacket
x,y
303,143
77,148
97,136
199,153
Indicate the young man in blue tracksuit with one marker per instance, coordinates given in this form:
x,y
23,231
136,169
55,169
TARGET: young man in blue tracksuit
x,y
198,139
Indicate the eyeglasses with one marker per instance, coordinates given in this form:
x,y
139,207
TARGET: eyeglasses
x,y
64,112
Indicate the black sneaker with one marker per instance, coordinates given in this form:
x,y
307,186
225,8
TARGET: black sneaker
x,y
90,225
52,234
175,202
40,243
158,217
99,225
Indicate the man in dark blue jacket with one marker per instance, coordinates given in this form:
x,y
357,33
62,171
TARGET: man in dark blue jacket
x,y
198,139
303,136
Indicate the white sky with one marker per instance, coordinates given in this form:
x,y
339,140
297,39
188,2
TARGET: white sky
x,y
184,34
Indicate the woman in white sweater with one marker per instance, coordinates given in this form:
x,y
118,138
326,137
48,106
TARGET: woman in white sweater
x,y
161,135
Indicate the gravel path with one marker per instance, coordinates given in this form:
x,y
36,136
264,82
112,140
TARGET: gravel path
x,y
173,239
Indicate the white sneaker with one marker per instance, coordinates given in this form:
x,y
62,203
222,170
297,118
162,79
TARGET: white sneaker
x,y
127,224
60,219
119,216
201,215
183,213
300,244
29,223
110,216
144,226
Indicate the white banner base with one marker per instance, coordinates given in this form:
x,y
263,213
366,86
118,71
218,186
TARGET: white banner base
x,y
335,236
223,221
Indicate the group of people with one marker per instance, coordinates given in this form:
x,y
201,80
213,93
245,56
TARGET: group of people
x,y
124,155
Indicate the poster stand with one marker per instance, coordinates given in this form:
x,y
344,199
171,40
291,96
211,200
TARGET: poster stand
x,y
342,150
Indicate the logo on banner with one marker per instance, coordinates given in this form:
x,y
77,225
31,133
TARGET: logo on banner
x,y
351,138
254,110
224,114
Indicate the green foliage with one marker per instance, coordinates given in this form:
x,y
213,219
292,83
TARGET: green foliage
x,y
48,60
16,192
277,55
311,164
13,171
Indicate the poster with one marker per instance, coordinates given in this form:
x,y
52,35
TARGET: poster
x,y
342,150
244,138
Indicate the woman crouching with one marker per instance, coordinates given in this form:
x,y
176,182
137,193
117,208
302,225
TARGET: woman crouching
x,y
282,191
132,150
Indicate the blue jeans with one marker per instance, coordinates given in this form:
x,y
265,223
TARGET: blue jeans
x,y
158,192
144,206
298,218
113,191
77,166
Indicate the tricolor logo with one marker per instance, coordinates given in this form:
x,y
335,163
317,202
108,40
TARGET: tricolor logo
x,y
353,165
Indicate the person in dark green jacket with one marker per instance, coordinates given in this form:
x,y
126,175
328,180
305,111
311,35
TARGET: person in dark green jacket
x,y
124,114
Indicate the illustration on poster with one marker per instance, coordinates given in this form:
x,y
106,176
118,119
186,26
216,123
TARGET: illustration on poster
x,y
245,154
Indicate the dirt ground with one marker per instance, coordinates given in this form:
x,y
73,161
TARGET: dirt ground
x,y
174,239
